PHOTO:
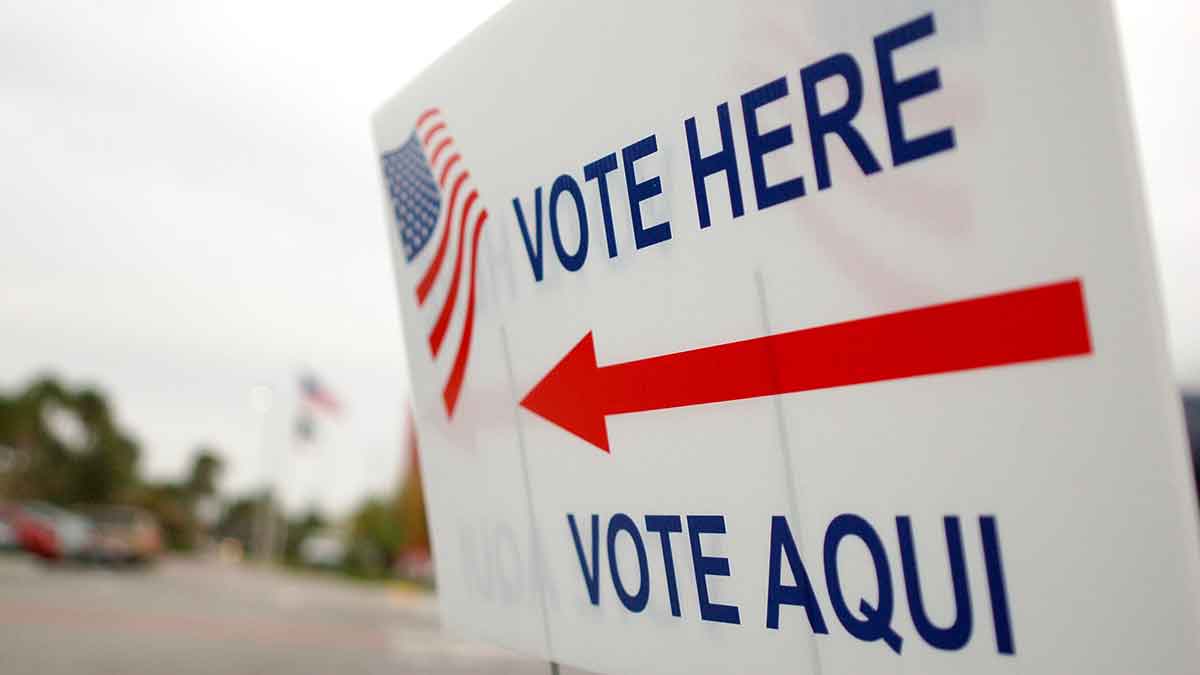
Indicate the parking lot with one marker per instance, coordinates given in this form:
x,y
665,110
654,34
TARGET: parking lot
x,y
191,617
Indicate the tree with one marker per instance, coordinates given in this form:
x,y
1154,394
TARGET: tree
x,y
375,537
206,470
71,449
172,509
242,519
298,530
177,505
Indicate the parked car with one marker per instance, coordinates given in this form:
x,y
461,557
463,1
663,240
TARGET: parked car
x,y
8,532
52,533
124,534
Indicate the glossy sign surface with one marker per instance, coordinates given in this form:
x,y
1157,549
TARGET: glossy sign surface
x,y
792,337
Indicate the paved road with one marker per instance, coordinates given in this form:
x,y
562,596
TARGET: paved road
x,y
190,617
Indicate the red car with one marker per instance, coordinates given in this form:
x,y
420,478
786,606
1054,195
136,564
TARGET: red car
x,y
51,533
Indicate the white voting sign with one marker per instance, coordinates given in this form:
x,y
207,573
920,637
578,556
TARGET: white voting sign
x,y
792,337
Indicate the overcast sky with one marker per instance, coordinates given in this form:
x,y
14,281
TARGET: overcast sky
x,y
191,208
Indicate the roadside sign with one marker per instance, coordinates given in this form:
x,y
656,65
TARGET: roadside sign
x,y
792,337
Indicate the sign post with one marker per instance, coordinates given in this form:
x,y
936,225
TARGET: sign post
x,y
792,337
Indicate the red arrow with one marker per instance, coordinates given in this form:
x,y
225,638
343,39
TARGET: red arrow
x,y
1033,324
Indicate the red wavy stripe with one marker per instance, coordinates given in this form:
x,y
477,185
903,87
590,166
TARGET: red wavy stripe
x,y
446,169
438,150
432,130
431,273
425,116
454,382
443,321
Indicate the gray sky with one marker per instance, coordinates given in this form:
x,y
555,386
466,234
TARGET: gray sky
x,y
191,208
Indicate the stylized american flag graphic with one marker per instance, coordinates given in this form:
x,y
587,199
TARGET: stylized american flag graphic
x,y
432,198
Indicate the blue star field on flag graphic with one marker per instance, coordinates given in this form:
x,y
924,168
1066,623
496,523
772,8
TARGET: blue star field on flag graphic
x,y
432,197
416,199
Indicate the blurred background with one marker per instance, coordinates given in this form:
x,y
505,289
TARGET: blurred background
x,y
206,463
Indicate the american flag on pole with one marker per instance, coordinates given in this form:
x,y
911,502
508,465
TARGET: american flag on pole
x,y
433,198
317,395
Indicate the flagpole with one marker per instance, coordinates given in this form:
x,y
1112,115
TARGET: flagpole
x,y
260,400
286,464
283,465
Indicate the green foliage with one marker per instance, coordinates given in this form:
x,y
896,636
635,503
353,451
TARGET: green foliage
x,y
63,445
72,452
242,519
172,507
238,519
385,530
298,530
175,505
206,469
97,463
375,536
